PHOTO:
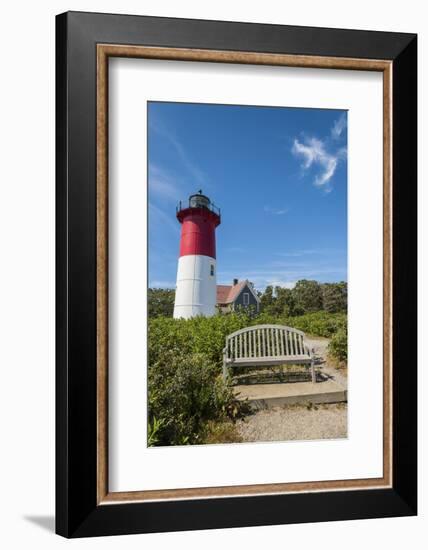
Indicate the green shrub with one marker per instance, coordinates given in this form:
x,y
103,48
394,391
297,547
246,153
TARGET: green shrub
x,y
335,296
168,335
221,432
305,297
185,392
160,301
308,295
154,431
319,323
338,346
205,335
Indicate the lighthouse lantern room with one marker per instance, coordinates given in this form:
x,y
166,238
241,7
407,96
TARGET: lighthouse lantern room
x,y
197,271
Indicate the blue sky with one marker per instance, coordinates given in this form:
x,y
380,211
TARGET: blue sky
x,y
279,176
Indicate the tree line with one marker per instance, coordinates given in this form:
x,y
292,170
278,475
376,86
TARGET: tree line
x,y
305,297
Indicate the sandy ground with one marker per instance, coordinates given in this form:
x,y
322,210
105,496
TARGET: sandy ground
x,y
320,349
301,422
295,422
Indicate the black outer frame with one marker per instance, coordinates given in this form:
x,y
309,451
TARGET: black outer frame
x,y
77,513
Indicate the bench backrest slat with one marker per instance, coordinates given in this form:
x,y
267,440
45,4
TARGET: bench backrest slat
x,y
265,341
254,343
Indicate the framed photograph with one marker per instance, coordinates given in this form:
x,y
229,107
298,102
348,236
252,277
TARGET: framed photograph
x,y
236,274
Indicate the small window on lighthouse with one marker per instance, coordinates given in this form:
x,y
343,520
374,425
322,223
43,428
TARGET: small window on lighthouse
x,y
212,270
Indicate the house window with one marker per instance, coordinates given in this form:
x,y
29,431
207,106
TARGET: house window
x,y
212,270
246,299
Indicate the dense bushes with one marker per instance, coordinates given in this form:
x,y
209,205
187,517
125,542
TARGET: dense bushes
x,y
334,296
305,297
185,392
206,335
308,296
338,346
188,402
319,323
160,301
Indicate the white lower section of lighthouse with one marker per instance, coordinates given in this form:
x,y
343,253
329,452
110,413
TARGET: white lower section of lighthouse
x,y
196,291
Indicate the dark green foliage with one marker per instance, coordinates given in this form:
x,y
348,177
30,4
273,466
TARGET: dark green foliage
x,y
279,301
267,298
205,335
308,295
287,303
305,297
335,296
185,393
160,302
188,401
338,346
319,323
221,432
185,389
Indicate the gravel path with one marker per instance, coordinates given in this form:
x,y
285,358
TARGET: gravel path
x,y
320,349
301,422
295,422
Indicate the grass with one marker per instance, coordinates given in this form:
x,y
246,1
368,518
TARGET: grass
x,y
221,432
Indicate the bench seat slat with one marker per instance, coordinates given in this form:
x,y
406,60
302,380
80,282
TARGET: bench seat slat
x,y
246,362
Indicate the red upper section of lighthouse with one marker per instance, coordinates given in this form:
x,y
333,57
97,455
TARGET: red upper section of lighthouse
x,y
198,231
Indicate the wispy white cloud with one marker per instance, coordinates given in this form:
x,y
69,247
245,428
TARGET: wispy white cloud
x,y
322,155
339,126
313,153
342,153
282,277
275,211
296,254
162,284
166,220
197,175
282,283
307,252
163,184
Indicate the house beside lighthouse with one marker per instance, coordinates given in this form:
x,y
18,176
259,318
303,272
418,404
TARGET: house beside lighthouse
x,y
239,295
196,289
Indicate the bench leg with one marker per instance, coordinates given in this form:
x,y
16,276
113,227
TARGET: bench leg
x,y
314,378
224,371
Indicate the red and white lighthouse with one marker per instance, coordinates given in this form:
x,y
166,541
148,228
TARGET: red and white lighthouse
x,y
197,271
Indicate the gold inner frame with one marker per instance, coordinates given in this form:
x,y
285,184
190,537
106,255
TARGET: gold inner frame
x,y
104,51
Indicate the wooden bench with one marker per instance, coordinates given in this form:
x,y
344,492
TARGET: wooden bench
x,y
267,345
